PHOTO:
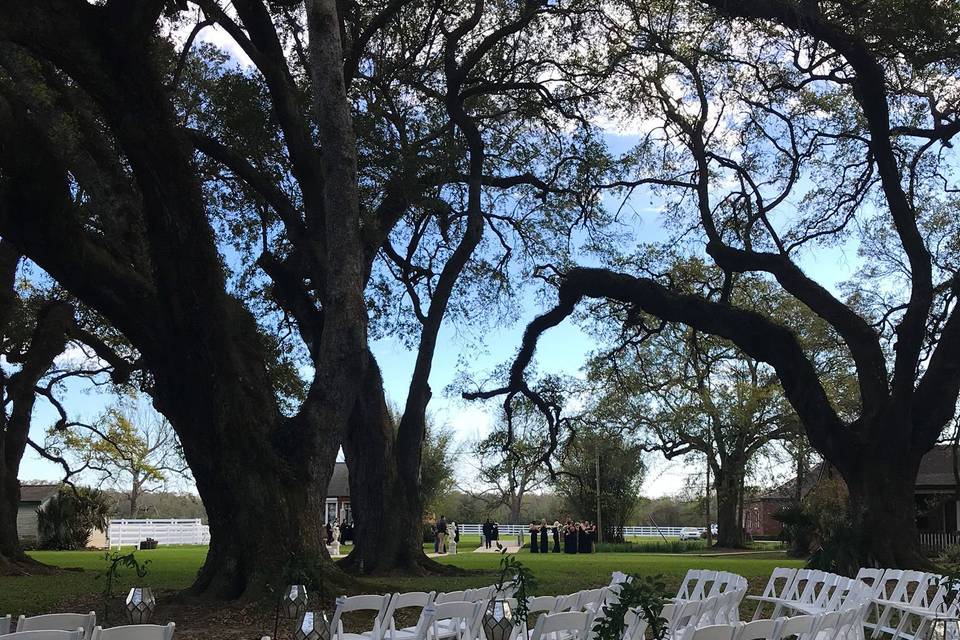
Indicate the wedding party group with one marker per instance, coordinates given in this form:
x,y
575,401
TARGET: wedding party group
x,y
577,537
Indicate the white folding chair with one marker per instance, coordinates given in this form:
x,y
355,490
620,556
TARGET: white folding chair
x,y
591,599
797,626
59,622
135,632
635,626
46,634
759,630
910,589
483,593
410,600
777,588
5,624
715,632
537,605
825,625
569,624
684,617
376,603
459,620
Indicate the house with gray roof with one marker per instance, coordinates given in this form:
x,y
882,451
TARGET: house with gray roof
x,y
338,496
32,497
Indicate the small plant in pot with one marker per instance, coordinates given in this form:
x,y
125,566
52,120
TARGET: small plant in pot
x,y
501,616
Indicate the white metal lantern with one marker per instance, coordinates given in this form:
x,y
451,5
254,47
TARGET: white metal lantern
x,y
942,628
140,605
313,625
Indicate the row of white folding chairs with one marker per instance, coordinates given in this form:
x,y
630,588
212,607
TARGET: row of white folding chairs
x,y
810,591
85,622
834,625
386,606
126,632
911,599
702,583
685,616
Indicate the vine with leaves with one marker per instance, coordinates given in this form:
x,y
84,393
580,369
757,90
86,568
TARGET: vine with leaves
x,y
647,596
115,561
523,580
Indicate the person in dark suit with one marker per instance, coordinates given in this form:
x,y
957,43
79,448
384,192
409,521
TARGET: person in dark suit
x,y
556,536
544,548
496,535
487,531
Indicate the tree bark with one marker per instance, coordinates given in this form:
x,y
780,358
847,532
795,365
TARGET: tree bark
x,y
880,478
384,494
729,534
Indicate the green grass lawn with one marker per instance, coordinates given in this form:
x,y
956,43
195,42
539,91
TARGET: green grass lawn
x,y
173,568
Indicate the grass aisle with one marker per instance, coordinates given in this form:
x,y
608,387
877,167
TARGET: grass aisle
x,y
173,568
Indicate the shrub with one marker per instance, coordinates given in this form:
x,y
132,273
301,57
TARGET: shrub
x,y
671,546
66,521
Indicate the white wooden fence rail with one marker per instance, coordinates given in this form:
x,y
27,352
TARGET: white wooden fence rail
x,y
133,532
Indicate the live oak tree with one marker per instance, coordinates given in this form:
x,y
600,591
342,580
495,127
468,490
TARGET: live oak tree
x,y
130,448
465,175
776,130
510,461
680,391
607,456
389,133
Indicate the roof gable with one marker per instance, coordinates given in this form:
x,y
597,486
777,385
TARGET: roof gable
x,y
37,492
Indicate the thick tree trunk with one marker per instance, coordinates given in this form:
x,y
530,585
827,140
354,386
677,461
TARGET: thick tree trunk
x,y
516,501
881,483
384,494
10,551
262,476
729,533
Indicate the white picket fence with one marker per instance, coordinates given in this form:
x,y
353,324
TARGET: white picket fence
x,y
132,532
934,543
629,532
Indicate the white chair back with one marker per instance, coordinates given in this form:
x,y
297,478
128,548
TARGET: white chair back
x,y
799,626
684,615
46,634
634,626
5,624
463,617
476,595
410,600
570,624
450,596
705,583
59,622
715,632
759,630
135,632
826,625
591,599
376,603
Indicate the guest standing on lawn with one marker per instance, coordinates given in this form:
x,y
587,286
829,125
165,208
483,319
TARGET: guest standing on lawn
x,y
570,538
556,536
544,548
487,531
534,544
